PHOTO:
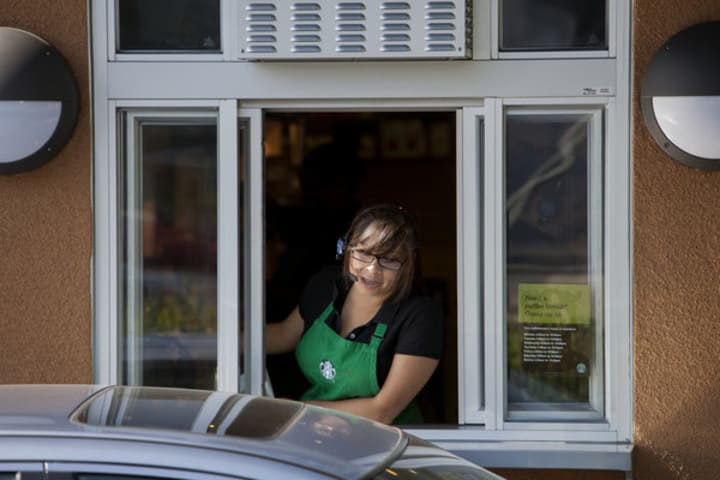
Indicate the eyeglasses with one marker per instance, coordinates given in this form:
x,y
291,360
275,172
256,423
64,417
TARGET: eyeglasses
x,y
366,257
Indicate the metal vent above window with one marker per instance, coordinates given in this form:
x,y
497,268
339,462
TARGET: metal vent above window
x,y
370,29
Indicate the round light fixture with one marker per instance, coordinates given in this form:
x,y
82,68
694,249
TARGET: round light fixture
x,y
680,96
39,101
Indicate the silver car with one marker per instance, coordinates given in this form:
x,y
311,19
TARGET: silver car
x,y
133,433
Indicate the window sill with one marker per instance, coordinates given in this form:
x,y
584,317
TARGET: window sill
x,y
536,454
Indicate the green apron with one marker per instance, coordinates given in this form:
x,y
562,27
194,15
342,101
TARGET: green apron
x,y
338,368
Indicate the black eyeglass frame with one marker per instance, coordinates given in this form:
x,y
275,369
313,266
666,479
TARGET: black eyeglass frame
x,y
367,257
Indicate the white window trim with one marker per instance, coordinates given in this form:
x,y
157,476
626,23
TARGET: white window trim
x,y
254,251
117,83
228,236
131,147
471,387
105,273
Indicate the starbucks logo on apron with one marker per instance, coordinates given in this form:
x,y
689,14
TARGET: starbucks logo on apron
x,y
327,370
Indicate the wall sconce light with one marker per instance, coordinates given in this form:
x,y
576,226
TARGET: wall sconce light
x,y
39,101
680,96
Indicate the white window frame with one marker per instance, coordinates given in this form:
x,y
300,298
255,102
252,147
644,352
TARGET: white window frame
x,y
107,174
253,378
473,205
133,120
596,161
478,87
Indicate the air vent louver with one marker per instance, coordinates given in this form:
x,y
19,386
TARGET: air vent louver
x,y
363,30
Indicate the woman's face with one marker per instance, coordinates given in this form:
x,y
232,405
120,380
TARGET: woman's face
x,y
376,276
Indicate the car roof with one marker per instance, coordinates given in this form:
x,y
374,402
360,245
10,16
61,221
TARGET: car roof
x,y
289,432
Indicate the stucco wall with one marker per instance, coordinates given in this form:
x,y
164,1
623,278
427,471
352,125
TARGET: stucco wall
x,y
45,227
676,276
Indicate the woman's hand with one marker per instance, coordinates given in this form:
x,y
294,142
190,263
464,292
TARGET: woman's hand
x,y
408,374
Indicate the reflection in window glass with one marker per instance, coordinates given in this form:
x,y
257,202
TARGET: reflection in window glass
x,y
170,264
553,25
553,331
169,25
146,408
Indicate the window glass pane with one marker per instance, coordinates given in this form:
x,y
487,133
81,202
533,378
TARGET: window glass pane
x,y
553,25
169,25
554,328
170,265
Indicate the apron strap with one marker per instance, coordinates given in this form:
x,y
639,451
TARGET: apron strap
x,y
381,327
326,313
378,335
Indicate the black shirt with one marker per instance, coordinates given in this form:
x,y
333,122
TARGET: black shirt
x,y
415,325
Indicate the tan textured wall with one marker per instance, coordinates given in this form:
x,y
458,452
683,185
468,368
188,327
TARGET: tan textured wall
x,y
45,227
676,278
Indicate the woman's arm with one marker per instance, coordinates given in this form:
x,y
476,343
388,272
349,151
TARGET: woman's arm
x,y
283,336
408,374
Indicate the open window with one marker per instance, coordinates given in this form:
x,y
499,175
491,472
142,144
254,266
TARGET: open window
x,y
320,168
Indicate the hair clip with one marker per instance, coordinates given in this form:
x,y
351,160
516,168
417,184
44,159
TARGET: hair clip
x,y
339,248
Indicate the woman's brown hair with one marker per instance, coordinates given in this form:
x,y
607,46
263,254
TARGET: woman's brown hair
x,y
396,238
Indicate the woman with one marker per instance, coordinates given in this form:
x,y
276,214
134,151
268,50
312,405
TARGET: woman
x,y
365,343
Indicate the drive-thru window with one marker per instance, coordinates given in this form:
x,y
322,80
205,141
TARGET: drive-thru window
x,y
235,139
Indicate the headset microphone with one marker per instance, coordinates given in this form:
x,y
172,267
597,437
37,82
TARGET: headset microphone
x,y
353,278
